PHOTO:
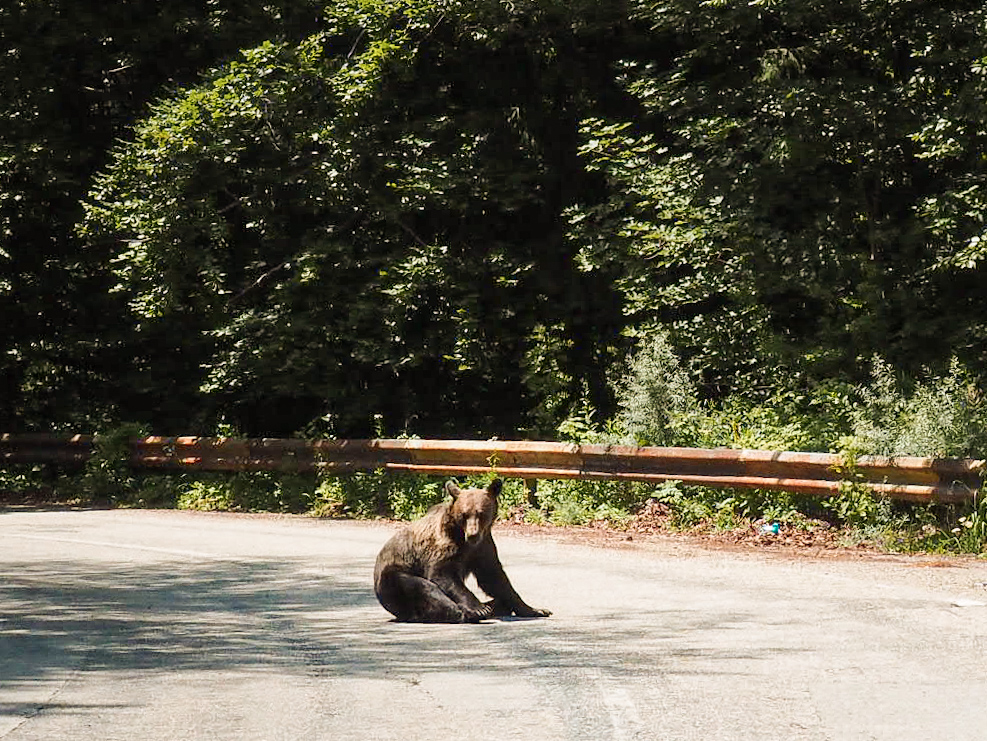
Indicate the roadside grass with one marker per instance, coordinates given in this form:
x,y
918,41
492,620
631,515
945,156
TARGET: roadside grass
x,y
852,519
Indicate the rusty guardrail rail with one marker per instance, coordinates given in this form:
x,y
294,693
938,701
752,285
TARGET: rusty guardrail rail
x,y
908,478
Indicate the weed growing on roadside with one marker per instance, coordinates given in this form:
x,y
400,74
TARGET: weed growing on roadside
x,y
245,491
658,401
361,495
941,416
107,476
208,495
969,535
27,481
854,506
575,502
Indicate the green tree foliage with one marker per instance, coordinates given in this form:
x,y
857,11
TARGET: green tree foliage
x,y
73,79
369,221
805,189
462,215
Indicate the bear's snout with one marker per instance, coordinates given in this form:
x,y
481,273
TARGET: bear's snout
x,y
473,529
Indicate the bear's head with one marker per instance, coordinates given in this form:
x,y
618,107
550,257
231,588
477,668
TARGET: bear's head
x,y
473,511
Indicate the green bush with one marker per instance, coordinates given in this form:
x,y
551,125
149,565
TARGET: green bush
x,y
246,491
657,398
938,415
574,502
941,415
207,495
376,494
158,490
785,420
108,476
26,480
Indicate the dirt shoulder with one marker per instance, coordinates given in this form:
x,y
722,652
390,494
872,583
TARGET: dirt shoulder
x,y
747,542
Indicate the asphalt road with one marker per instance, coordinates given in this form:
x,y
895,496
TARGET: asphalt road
x,y
138,625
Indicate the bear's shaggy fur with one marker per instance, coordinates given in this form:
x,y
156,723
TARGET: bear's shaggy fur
x,y
421,571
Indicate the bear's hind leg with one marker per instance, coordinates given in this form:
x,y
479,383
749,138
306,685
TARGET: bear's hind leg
x,y
421,601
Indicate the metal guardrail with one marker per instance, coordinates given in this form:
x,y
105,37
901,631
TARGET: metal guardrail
x,y
907,478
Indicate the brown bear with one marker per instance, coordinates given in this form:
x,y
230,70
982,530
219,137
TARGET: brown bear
x,y
421,571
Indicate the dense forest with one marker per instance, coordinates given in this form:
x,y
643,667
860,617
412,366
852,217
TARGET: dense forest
x,y
527,218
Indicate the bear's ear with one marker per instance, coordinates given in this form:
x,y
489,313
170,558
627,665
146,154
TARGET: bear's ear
x,y
495,486
452,490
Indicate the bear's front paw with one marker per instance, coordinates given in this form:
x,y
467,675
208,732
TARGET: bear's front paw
x,y
483,612
532,612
